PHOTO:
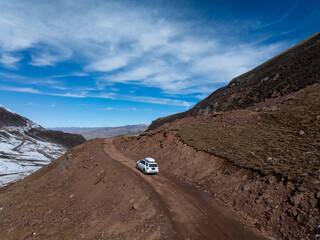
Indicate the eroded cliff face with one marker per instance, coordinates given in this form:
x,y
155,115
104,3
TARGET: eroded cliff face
x,y
288,72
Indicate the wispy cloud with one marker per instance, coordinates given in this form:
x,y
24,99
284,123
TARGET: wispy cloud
x,y
106,109
128,44
30,104
72,95
50,56
109,63
18,89
36,91
24,80
283,17
165,101
9,61
144,99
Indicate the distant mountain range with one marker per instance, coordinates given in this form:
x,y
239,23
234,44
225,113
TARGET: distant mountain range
x,y
26,146
103,132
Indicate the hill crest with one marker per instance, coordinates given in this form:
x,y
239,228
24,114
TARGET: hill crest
x,y
288,72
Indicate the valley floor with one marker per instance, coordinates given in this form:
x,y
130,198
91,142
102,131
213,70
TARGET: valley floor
x,y
20,157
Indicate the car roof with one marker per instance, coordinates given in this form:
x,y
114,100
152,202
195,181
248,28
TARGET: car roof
x,y
149,159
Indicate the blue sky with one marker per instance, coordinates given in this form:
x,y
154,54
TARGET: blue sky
x,y
111,63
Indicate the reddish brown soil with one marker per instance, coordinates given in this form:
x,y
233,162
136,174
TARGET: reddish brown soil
x,y
94,192
84,195
192,215
276,209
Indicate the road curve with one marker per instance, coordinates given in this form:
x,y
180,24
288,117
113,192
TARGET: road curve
x,y
191,216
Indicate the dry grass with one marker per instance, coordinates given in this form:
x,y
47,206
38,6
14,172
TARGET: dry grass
x,y
270,143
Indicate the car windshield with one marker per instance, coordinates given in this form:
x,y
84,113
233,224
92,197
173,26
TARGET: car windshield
x,y
153,165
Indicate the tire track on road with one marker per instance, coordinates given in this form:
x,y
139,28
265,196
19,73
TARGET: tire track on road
x,y
192,217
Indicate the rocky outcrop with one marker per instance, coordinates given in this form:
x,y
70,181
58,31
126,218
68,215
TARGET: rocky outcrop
x,y
288,72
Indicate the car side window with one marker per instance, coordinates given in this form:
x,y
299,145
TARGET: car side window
x,y
147,164
142,162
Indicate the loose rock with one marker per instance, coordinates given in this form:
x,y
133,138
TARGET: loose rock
x,y
135,206
296,199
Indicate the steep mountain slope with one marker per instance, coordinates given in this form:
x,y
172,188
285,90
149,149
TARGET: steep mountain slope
x,y
103,132
25,146
288,72
265,165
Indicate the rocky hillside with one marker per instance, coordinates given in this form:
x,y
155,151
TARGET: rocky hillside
x,y
262,161
103,132
26,146
288,72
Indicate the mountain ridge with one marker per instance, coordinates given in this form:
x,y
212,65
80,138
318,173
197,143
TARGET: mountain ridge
x,y
283,74
102,132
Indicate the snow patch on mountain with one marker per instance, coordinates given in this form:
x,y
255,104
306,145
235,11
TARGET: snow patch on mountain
x,y
21,153
7,109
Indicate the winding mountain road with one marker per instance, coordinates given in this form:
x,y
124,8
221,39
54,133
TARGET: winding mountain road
x,y
192,217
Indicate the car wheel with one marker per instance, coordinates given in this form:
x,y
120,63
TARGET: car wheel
x,y
137,167
144,171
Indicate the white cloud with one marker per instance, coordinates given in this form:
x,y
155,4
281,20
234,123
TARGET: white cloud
x,y
103,36
165,101
135,74
9,61
19,89
107,109
72,95
30,104
144,99
109,63
46,57
35,91
79,74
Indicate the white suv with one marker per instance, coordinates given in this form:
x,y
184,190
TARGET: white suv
x,y
148,165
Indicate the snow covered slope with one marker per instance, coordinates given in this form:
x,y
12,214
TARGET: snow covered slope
x,y
25,146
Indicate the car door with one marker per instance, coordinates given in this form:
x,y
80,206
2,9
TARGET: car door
x,y
141,166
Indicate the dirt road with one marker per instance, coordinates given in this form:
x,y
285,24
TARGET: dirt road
x,y
192,216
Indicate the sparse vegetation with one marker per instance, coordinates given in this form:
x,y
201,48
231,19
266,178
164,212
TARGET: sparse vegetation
x,y
284,142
